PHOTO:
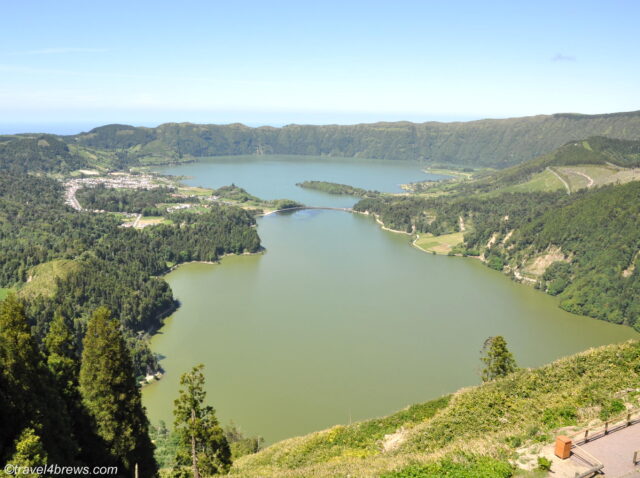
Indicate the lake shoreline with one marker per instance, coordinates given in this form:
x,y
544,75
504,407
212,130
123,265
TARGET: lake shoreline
x,y
334,283
216,262
158,374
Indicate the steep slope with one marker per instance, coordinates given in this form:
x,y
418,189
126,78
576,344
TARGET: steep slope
x,y
41,153
491,142
608,155
588,250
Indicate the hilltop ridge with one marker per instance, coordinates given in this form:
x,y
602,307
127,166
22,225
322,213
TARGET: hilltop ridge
x,y
488,142
494,143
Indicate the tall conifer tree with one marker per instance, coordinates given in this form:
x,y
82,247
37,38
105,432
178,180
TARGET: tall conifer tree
x,y
112,397
498,361
202,441
64,364
31,398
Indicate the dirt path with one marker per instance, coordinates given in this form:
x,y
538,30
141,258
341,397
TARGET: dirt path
x,y
566,184
588,178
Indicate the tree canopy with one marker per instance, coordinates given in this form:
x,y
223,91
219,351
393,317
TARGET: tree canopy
x,y
498,361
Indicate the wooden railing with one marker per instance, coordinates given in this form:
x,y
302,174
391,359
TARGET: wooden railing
x,y
618,422
595,465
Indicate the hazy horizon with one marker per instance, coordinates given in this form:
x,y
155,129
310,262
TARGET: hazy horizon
x,y
75,127
335,62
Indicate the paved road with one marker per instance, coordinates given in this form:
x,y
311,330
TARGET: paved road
x,y
615,451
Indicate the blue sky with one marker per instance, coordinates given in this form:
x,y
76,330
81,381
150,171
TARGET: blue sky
x,y
278,62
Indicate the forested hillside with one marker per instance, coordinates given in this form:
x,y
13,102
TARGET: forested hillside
x,y
42,152
104,264
597,150
495,143
66,408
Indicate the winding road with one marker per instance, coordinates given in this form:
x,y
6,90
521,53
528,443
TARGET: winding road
x,y
588,178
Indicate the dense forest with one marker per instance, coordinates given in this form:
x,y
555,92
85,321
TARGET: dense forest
x,y
63,407
107,265
42,152
495,143
599,236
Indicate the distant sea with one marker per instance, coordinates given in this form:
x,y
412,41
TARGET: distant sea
x,y
53,128
75,128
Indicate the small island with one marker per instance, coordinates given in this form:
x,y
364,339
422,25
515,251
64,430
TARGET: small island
x,y
336,188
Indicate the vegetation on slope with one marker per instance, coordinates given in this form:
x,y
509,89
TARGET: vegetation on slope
x,y
518,223
86,260
496,143
235,193
596,233
42,153
592,151
57,408
478,429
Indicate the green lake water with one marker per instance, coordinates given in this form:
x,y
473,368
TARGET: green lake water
x,y
340,320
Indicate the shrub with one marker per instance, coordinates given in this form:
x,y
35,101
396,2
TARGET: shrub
x,y
544,463
475,466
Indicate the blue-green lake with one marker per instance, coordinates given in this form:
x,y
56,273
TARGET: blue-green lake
x,y
339,320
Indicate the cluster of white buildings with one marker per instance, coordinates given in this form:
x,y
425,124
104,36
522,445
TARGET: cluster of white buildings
x,y
114,181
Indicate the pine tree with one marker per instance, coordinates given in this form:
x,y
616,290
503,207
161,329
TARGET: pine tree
x,y
29,452
31,398
498,361
202,440
111,395
62,358
64,364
